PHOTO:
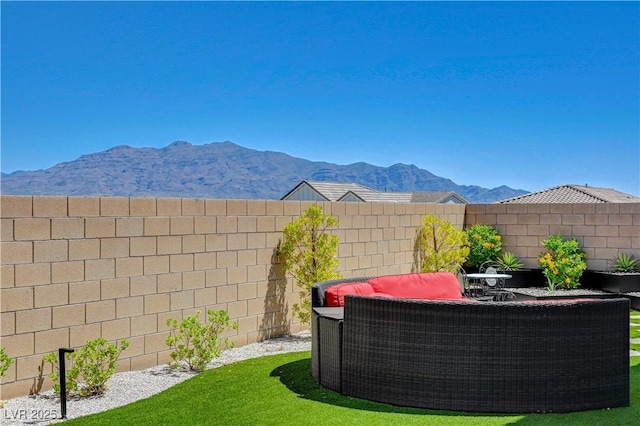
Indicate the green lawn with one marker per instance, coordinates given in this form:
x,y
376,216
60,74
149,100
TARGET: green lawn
x,y
279,390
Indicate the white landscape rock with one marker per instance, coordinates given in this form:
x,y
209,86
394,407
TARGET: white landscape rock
x,y
127,387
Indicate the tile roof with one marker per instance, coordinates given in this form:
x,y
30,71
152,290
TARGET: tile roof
x,y
574,194
338,191
381,197
435,197
333,191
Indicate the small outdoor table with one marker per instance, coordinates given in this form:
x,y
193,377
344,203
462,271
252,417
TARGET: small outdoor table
x,y
494,283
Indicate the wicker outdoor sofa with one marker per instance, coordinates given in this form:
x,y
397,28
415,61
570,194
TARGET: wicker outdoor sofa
x,y
465,355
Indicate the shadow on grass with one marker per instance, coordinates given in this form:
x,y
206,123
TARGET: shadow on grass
x,y
297,378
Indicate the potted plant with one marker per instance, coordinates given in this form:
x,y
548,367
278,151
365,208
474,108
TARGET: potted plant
x,y
485,245
563,263
623,276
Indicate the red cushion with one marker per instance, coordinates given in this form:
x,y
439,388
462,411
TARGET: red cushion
x,y
334,295
429,285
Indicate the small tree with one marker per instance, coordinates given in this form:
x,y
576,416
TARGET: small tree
x,y
441,246
309,255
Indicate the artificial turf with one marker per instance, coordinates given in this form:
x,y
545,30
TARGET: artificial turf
x,y
279,390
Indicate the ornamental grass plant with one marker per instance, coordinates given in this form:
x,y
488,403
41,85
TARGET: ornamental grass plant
x,y
625,263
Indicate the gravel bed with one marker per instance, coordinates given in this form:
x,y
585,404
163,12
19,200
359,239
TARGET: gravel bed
x,y
127,387
541,291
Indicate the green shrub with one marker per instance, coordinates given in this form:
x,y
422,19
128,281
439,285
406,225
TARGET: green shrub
x,y
5,362
309,255
92,366
485,244
441,246
197,343
563,263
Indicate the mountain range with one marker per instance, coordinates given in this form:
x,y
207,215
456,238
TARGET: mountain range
x,y
221,170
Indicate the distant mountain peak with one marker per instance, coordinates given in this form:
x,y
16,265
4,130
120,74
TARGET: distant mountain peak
x,y
221,170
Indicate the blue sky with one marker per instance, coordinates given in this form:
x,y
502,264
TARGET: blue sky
x,y
529,95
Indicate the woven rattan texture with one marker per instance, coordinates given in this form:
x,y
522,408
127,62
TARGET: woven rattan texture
x,y
511,357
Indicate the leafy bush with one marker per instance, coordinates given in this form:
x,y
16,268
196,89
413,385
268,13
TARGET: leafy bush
x,y
563,263
309,255
197,343
5,362
625,263
485,244
92,366
441,246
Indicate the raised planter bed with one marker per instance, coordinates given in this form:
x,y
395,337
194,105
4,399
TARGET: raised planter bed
x,y
634,298
616,282
523,278
623,284
539,293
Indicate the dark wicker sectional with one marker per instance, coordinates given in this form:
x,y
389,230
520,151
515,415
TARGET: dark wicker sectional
x,y
498,357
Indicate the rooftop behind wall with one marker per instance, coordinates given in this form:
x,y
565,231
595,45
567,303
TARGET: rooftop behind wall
x,y
77,268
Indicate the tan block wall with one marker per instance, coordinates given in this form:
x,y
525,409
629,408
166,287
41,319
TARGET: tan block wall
x,y
603,230
77,268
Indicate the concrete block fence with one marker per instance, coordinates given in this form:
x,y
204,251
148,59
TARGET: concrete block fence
x,y
603,230
77,268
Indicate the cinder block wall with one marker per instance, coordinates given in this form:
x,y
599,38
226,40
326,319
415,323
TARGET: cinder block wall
x,y
77,268
603,230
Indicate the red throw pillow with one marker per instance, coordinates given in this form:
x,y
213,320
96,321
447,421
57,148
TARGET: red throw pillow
x,y
334,295
428,285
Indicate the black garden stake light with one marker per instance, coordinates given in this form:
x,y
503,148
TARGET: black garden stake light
x,y
63,380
